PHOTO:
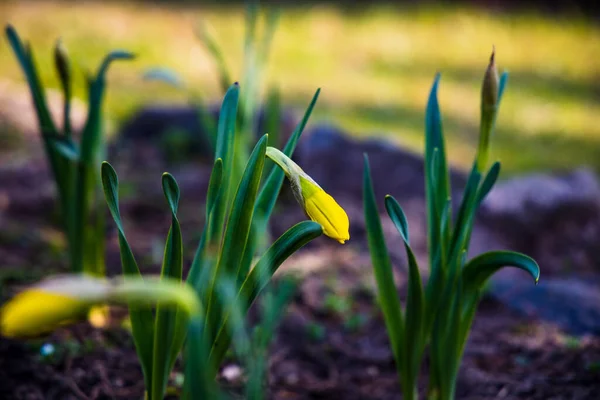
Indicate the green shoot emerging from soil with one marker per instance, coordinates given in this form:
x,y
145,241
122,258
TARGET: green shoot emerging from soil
x,y
439,314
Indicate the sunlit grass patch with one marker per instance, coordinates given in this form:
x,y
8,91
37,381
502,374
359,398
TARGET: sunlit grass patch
x,y
374,66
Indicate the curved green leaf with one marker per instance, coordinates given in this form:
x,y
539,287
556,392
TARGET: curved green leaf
x,y
142,319
415,302
165,75
397,216
171,191
488,182
290,242
478,270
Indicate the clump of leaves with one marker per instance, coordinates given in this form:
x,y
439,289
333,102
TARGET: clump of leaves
x,y
439,314
74,165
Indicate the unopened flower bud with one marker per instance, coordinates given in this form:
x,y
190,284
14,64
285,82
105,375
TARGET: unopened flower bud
x,y
317,204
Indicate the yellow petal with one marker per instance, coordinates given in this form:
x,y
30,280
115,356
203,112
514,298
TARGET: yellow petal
x,y
37,311
322,208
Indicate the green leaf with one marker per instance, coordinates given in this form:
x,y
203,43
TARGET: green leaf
x,y
142,319
273,121
91,148
272,186
481,268
25,59
464,220
476,273
290,242
165,315
199,274
240,219
237,231
488,182
382,267
165,75
437,181
65,147
502,86
199,384
63,68
214,187
397,216
225,151
415,302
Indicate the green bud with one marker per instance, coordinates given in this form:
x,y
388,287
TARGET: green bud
x,y
489,109
61,61
489,90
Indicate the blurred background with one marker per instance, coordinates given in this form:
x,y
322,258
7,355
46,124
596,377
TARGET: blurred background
x,y
374,63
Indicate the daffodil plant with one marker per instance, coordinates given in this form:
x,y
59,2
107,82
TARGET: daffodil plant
x,y
74,165
224,277
440,314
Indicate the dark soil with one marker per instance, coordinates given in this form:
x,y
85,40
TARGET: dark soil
x,y
323,350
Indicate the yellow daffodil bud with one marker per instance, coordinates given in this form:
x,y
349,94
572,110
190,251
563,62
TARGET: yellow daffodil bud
x,y
318,205
65,298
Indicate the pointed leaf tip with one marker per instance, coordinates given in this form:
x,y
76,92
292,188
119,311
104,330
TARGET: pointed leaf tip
x,y
171,191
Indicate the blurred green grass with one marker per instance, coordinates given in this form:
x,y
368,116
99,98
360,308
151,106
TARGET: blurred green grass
x,y
375,68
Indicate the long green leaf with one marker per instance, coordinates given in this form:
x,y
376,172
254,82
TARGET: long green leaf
x,y
199,273
142,319
199,384
212,194
272,186
488,182
225,151
290,242
166,316
437,181
478,270
415,302
237,231
86,173
465,216
475,274
382,267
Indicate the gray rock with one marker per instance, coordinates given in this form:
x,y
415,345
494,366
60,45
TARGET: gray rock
x,y
571,303
181,132
532,199
335,160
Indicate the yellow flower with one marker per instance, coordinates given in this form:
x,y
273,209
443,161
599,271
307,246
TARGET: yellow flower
x,y
62,299
318,205
48,305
